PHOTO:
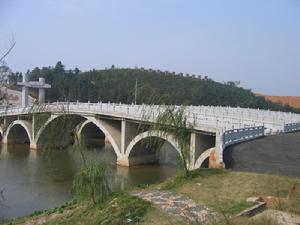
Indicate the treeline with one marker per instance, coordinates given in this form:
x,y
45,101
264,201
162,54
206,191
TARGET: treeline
x,y
153,86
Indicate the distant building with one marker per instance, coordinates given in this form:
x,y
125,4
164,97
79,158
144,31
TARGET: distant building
x,y
12,97
5,72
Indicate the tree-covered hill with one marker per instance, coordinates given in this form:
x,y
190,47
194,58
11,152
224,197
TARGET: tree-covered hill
x,y
153,86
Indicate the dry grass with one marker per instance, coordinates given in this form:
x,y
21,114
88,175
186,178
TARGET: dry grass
x,y
264,220
227,191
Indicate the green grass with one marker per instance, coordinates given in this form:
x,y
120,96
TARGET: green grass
x,y
222,190
120,208
226,191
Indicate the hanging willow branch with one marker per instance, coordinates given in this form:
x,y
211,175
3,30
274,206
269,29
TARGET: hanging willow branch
x,y
8,51
171,120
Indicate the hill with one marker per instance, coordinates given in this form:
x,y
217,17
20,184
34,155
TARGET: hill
x,y
154,86
293,101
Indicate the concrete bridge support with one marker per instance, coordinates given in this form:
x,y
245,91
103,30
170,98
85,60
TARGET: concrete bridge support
x,y
203,151
128,131
126,137
137,153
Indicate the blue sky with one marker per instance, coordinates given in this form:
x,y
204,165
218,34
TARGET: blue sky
x,y
254,41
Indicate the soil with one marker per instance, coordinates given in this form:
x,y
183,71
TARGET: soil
x,y
293,101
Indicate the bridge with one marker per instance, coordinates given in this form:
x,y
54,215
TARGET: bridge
x,y
214,128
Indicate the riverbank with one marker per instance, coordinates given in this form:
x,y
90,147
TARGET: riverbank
x,y
224,192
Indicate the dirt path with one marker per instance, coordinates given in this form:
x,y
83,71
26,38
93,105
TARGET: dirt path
x,y
178,205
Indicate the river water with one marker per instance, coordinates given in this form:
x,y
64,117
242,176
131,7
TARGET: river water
x,y
33,180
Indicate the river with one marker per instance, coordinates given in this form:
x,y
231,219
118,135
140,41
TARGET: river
x,y
33,180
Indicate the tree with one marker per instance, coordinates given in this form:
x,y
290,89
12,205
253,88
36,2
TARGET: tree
x,y
3,96
172,120
117,85
7,52
59,67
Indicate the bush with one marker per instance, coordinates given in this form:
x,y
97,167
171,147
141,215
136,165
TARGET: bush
x,y
91,182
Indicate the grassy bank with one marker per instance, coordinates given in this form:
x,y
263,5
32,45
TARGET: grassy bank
x,y
223,191
119,208
226,191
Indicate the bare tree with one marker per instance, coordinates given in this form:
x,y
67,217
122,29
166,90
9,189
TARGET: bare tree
x,y
3,94
12,45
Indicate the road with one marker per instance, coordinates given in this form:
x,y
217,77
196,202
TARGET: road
x,y
278,154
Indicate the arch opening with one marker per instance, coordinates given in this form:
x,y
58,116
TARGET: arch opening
x,y
18,135
154,150
59,132
91,136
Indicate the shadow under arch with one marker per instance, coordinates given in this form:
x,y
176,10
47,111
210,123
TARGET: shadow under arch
x,y
66,125
19,132
143,150
203,159
90,135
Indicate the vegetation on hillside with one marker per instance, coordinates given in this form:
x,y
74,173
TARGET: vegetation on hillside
x,y
118,85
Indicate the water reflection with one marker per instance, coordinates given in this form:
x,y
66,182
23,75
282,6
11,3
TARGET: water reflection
x,y
34,180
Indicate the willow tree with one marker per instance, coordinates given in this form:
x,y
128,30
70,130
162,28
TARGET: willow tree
x,y
8,51
172,120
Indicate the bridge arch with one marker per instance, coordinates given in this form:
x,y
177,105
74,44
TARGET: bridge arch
x,y
86,130
20,123
168,137
201,159
88,119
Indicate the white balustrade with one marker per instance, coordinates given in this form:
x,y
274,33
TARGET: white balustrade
x,y
207,118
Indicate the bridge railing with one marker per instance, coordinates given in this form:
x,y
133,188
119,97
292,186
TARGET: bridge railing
x,y
227,118
234,136
291,127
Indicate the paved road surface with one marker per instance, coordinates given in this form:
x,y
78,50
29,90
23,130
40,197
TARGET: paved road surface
x,y
274,154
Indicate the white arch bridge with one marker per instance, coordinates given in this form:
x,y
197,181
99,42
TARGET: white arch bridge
x,y
214,128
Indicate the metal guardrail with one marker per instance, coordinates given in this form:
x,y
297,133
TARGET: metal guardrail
x,y
291,127
234,136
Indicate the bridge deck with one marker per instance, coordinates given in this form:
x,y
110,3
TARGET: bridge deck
x,y
204,118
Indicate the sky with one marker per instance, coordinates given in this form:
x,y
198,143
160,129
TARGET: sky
x,y
256,42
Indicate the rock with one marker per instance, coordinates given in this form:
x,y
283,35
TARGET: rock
x,y
258,208
273,201
282,218
253,199
178,205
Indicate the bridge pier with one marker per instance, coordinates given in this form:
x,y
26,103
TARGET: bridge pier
x,y
136,160
203,147
216,155
4,140
123,160
33,146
